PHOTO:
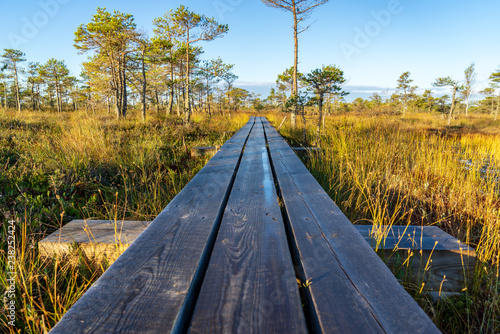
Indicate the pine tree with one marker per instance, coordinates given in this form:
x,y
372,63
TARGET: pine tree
x,y
455,88
12,58
110,38
301,10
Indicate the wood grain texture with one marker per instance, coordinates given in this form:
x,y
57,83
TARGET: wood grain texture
x,y
352,290
151,287
201,151
447,271
99,240
97,231
250,285
452,265
418,237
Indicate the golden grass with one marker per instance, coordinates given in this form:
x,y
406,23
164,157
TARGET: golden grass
x,y
56,167
387,170
379,170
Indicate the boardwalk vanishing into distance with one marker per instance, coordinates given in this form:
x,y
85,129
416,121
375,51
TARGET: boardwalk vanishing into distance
x,y
252,244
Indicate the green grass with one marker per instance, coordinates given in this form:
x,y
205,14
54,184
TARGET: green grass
x,y
57,167
386,170
380,170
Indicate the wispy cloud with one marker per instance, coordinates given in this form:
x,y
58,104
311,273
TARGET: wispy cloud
x,y
356,91
254,83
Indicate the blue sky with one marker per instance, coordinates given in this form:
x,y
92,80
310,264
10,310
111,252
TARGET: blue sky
x,y
373,41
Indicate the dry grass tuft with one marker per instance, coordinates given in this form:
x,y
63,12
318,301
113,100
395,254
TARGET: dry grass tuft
x,y
58,167
387,170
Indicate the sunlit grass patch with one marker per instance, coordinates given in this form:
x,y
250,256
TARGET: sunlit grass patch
x,y
387,170
59,167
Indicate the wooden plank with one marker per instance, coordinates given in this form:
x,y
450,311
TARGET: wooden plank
x,y
97,239
250,285
352,291
306,152
446,271
201,151
450,263
97,231
152,286
417,237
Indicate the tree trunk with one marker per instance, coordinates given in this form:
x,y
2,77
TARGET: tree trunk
x,y
118,92
60,98
201,106
157,101
18,99
304,136
58,94
187,104
124,94
117,102
498,107
178,100
5,96
405,103
33,105
171,101
295,64
452,105
467,107
38,105
193,106
144,83
124,89
229,101
320,117
208,97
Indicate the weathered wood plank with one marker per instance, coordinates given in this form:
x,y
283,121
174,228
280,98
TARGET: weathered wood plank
x,y
98,231
250,285
306,152
352,291
151,287
417,237
97,239
201,151
434,257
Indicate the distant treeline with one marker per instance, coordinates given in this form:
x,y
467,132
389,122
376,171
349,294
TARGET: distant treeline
x,y
126,67
165,73
404,99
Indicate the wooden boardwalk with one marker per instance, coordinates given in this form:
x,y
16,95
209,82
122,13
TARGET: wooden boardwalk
x,y
226,254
